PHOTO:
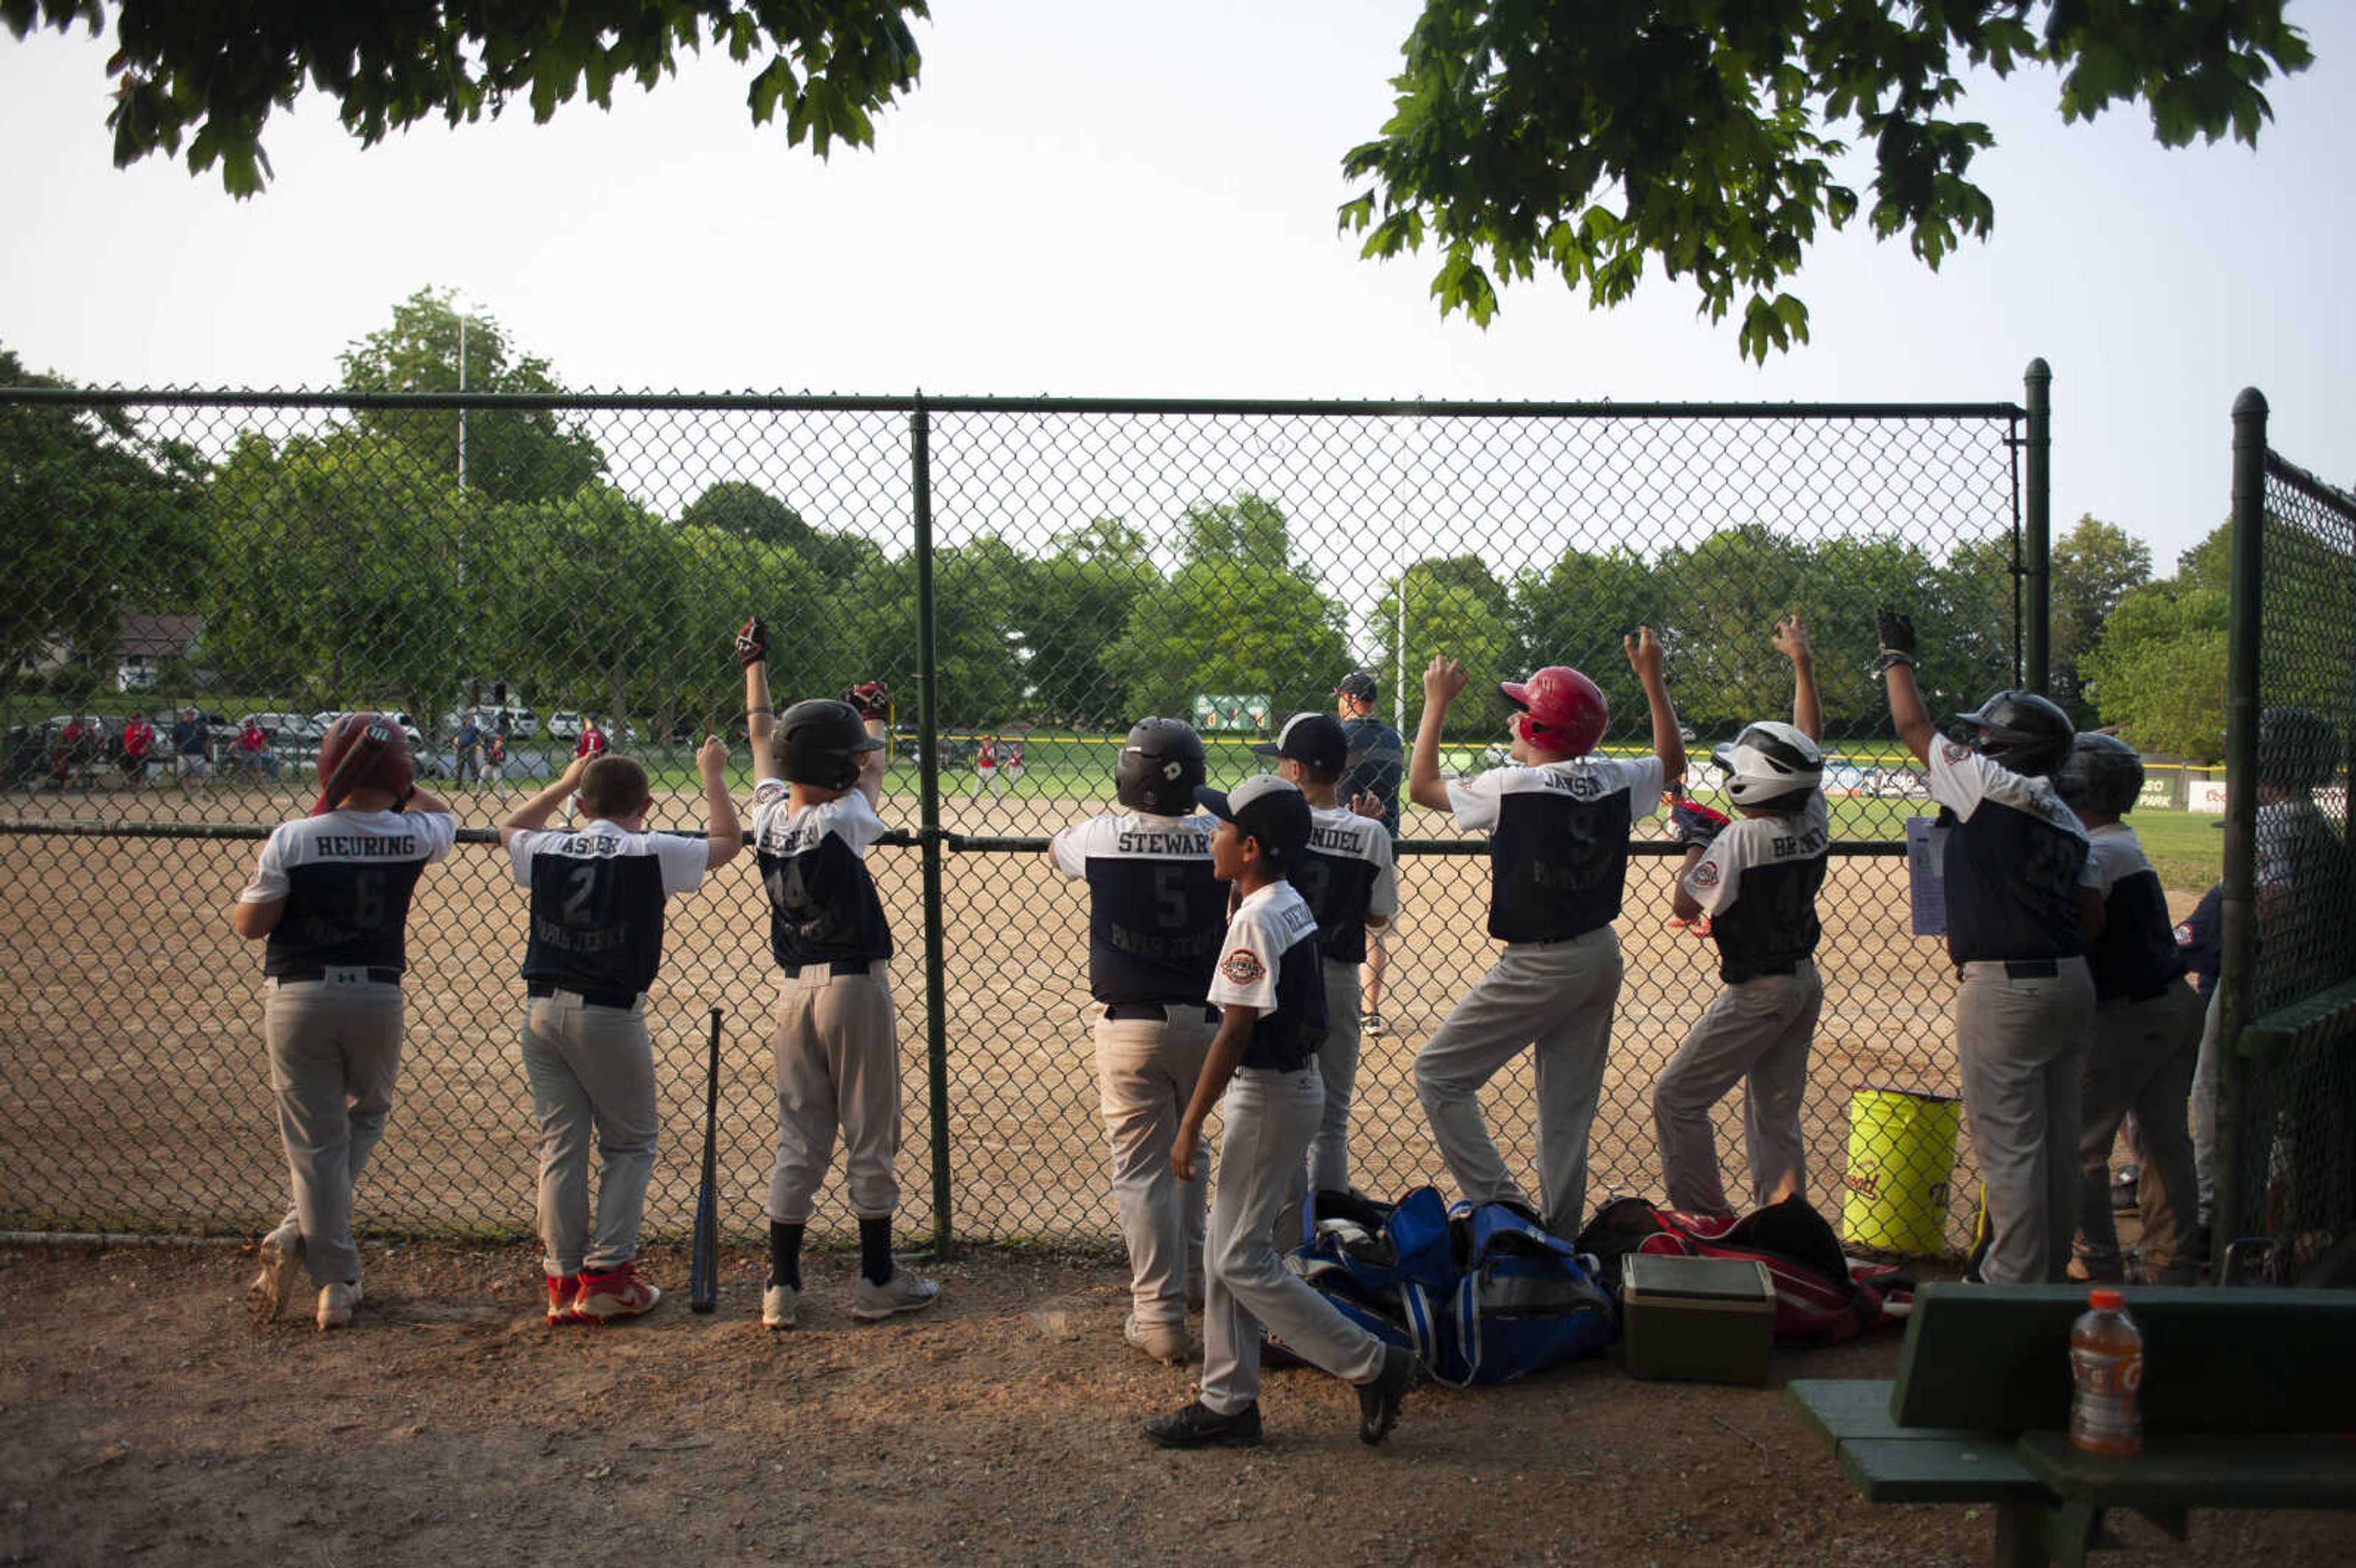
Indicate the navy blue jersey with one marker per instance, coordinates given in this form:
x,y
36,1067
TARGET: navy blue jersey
x,y
347,877
1757,883
2200,939
1155,910
823,903
2135,957
1345,875
2014,858
597,902
1268,960
1376,765
1558,840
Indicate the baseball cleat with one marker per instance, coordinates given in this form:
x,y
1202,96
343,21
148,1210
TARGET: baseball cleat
x,y
336,1303
563,1296
905,1291
1168,1343
616,1291
1200,1426
1371,1024
1379,1400
282,1266
780,1306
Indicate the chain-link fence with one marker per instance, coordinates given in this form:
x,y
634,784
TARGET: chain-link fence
x,y
1030,577
2287,1193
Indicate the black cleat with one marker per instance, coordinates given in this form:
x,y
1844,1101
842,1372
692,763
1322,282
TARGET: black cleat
x,y
1200,1426
1379,1400
2122,1189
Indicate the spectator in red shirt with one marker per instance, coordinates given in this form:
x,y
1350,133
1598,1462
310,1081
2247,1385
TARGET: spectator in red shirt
x,y
138,748
252,750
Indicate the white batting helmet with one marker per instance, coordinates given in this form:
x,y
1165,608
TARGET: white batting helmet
x,y
1768,761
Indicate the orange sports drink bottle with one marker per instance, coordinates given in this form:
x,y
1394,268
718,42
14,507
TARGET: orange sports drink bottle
x,y
2106,1366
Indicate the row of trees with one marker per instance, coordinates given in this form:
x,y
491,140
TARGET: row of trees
x,y
350,565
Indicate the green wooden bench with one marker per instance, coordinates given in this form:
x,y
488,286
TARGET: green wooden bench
x,y
2249,1400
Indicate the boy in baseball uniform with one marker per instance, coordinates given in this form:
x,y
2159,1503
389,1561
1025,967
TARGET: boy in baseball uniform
x,y
2022,896
1156,913
1261,1073
837,1042
1377,766
1345,873
1756,879
2147,1032
1559,819
330,898
596,930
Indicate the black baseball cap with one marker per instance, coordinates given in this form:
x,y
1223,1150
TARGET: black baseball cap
x,y
1270,809
1315,739
1359,684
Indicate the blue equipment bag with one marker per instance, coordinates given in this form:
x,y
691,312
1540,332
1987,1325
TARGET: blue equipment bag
x,y
1388,1267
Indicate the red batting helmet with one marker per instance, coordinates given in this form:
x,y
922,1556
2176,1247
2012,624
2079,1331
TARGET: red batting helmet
x,y
1562,710
362,751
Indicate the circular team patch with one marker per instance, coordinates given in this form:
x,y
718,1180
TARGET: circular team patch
x,y
1704,875
1955,751
1243,967
2184,934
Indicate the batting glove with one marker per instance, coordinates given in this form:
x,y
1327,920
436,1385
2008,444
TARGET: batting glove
x,y
872,698
1694,825
1895,629
751,643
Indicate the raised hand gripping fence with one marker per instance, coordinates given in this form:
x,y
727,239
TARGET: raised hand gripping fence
x,y
1029,577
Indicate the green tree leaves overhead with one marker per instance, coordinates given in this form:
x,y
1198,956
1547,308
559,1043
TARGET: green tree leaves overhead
x,y
1700,137
2158,671
213,75
2094,566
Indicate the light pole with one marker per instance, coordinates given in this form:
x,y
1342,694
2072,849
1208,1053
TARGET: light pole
x,y
459,303
1401,696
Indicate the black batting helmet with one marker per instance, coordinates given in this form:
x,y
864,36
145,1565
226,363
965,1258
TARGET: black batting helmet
x,y
819,742
1161,764
2102,774
2297,748
2023,731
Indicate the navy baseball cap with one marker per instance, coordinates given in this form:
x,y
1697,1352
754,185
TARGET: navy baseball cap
x,y
1359,684
1270,809
1315,739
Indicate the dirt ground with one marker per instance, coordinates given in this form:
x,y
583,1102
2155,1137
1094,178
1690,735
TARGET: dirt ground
x,y
132,1094
144,1418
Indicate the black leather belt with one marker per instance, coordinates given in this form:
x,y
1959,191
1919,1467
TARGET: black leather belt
x,y
624,1000
1156,1012
309,977
2030,968
838,968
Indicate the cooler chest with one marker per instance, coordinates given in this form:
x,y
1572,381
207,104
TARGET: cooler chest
x,y
1701,1319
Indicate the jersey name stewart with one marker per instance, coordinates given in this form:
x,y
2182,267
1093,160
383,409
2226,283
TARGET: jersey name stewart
x,y
1155,910
2015,857
1345,875
823,903
1757,883
1558,840
347,877
597,902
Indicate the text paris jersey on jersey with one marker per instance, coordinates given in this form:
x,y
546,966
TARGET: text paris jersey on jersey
x,y
1154,907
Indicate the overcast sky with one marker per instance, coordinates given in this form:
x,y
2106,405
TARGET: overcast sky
x,y
1129,201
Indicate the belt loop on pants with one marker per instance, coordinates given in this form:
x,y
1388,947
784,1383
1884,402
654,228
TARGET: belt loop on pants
x,y
838,968
2019,968
1154,1012
624,1000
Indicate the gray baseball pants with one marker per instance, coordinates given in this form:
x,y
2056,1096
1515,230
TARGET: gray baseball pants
x,y
1337,1069
837,1050
1269,1117
1556,996
1146,1072
334,1057
591,1070
2020,1043
1757,1033
2204,1102
2141,1058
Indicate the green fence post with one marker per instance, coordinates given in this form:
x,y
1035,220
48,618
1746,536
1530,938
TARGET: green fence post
x,y
2037,546
2237,909
936,1045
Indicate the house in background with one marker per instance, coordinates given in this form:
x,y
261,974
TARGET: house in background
x,y
148,641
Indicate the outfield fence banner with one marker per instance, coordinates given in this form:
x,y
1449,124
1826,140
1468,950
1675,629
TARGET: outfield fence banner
x,y
2285,1197
1030,577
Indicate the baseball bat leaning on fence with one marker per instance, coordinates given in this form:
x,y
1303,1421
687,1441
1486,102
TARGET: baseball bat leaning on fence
x,y
704,1267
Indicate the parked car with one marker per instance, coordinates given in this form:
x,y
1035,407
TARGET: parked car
x,y
328,716
285,726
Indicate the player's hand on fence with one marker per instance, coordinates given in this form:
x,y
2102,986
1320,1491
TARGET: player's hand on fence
x,y
752,642
1645,655
1792,640
1895,629
1443,679
712,759
1367,803
872,698
1694,825
1181,1152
